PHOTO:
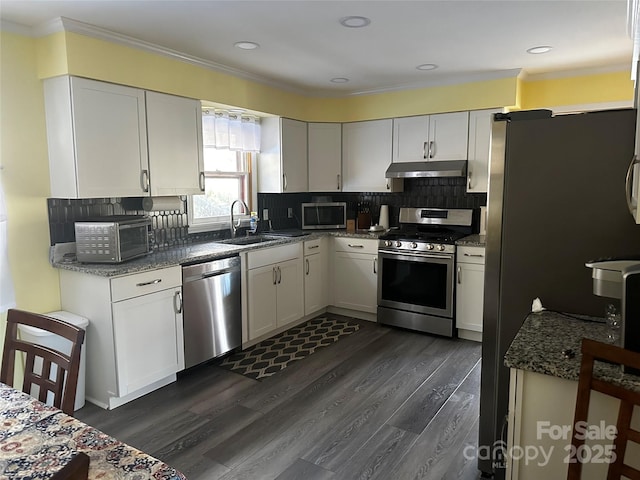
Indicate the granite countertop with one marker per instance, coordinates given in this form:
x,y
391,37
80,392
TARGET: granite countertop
x,y
196,252
539,345
474,240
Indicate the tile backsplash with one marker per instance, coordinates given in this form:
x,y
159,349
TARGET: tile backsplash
x,y
418,192
170,227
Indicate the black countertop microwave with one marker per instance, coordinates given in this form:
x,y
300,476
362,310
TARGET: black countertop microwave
x,y
326,215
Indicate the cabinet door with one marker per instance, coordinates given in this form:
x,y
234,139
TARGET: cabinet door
x,y
410,139
294,156
109,129
480,122
325,157
469,296
314,283
290,292
262,300
448,136
174,130
355,281
148,339
366,154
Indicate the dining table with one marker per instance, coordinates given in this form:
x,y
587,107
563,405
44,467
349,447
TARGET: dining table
x,y
37,441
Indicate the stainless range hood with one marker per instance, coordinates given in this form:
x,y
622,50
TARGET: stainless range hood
x,y
449,168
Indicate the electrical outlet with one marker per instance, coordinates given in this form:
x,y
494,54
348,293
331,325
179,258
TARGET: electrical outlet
x,y
290,212
265,214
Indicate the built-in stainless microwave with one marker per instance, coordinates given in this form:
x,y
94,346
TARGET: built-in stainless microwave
x,y
112,239
326,215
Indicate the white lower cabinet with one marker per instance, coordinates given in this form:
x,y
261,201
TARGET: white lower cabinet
x,y
148,337
275,288
355,275
134,338
469,289
315,276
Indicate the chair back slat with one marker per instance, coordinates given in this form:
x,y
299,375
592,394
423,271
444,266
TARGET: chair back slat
x,y
592,351
63,385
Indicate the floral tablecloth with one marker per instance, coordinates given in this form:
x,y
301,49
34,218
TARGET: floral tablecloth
x,y
37,440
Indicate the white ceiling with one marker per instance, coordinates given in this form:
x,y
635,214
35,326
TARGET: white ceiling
x,y
303,45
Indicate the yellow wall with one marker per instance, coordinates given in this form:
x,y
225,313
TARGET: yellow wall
x,y
577,90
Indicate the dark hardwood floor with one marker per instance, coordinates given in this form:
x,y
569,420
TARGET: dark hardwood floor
x,y
381,403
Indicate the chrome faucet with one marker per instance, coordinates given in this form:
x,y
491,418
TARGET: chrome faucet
x,y
235,225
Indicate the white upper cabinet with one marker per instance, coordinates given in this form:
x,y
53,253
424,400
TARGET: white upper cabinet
x,y
174,132
325,157
480,122
442,136
366,154
282,163
97,139
108,140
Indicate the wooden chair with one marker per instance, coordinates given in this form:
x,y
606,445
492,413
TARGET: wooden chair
x,y
591,351
76,469
68,366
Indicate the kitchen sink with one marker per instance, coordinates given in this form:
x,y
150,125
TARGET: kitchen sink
x,y
250,240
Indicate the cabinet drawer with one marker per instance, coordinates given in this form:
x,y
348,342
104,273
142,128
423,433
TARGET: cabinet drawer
x,y
269,256
313,246
146,282
470,255
357,245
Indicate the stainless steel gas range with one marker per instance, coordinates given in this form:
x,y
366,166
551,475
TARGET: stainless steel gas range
x,y
416,269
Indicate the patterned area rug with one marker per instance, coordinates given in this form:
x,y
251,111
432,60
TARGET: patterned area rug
x,y
276,353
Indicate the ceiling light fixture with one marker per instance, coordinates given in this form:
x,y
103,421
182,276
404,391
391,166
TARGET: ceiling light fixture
x,y
354,21
245,45
339,80
539,50
427,66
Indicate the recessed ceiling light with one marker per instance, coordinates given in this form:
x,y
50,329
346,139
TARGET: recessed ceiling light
x,y
339,80
540,49
354,21
427,66
244,45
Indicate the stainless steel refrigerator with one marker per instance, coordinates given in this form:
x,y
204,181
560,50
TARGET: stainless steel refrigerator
x,y
556,200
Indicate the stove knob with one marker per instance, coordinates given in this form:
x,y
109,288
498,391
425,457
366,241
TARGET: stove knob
x,y
440,248
398,244
414,245
388,243
429,246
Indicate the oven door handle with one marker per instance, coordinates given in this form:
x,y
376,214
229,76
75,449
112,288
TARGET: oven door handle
x,y
391,254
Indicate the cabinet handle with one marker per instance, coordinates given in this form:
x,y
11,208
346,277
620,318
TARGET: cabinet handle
x,y
355,245
177,302
312,247
152,282
459,275
144,180
388,187
307,263
275,275
338,181
375,266
284,181
473,255
628,186
424,150
469,181
279,275
432,149
201,181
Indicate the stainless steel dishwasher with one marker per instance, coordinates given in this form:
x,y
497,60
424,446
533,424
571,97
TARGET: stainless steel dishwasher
x,y
212,309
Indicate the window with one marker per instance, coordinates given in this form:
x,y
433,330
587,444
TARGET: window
x,y
229,144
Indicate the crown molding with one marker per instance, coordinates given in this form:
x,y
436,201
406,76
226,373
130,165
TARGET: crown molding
x,y
17,28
